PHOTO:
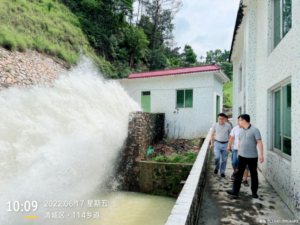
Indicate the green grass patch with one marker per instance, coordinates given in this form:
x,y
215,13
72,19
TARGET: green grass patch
x,y
193,142
160,158
166,139
227,94
43,25
188,157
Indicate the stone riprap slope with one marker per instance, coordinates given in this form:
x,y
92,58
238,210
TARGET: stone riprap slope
x,y
28,68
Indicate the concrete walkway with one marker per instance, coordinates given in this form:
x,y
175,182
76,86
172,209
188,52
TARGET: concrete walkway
x,y
218,208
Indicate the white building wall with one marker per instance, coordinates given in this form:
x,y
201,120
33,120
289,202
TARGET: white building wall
x,y
184,122
218,91
238,96
272,67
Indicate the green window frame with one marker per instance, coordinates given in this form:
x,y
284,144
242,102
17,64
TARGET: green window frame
x,y
184,98
217,107
282,122
282,19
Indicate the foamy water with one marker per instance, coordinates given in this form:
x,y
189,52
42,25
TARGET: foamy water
x,y
60,142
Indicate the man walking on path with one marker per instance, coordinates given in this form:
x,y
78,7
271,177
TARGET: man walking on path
x,y
234,137
249,138
222,131
227,121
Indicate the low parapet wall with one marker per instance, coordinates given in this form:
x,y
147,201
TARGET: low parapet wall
x,y
186,209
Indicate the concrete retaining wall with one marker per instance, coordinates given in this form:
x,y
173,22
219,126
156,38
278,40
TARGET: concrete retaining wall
x,y
23,69
144,130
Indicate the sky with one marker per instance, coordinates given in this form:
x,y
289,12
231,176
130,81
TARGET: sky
x,y
205,24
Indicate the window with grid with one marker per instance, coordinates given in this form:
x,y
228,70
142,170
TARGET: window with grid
x,y
217,108
282,121
184,98
282,19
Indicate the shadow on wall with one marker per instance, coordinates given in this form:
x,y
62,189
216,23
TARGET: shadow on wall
x,y
174,131
144,130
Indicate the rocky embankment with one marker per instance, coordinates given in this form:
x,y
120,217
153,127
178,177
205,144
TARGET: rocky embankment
x,y
27,68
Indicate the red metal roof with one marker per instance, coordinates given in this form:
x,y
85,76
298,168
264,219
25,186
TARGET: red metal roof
x,y
194,69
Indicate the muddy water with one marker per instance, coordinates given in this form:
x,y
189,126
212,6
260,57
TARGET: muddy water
x,y
128,208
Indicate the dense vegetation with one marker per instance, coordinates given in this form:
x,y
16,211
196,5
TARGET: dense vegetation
x,y
120,41
132,43
227,94
42,25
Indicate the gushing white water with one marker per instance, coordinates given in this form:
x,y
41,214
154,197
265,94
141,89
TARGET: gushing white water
x,y
59,142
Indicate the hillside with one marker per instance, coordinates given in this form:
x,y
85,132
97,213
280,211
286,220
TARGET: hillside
x,y
227,94
104,30
46,26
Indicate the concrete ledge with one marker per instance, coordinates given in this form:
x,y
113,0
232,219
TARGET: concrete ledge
x,y
186,208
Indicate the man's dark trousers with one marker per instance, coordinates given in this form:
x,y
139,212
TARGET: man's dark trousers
x,y
252,162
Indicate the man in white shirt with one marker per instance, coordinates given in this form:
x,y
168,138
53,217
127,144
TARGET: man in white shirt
x,y
234,137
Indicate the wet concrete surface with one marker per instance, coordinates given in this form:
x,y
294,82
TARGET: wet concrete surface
x,y
218,208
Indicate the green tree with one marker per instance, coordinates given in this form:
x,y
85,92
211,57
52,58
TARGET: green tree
x,y
100,19
176,62
189,56
209,57
161,13
221,59
217,56
108,25
159,60
136,42
227,67
146,24
174,56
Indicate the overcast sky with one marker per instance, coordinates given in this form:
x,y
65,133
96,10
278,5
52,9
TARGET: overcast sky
x,y
206,24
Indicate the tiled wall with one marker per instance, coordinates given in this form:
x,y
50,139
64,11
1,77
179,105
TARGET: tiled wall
x,y
271,67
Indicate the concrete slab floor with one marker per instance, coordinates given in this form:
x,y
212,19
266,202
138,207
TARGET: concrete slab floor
x,y
218,208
